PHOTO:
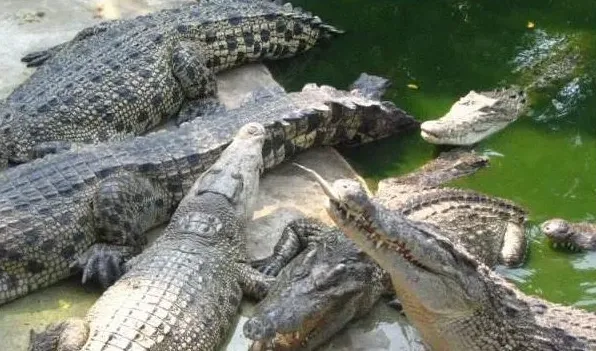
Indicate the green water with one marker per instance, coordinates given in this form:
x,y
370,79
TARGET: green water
x,y
546,161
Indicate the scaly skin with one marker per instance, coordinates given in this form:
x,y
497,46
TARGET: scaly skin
x,y
331,282
122,78
490,228
183,292
327,283
454,301
475,117
574,236
91,208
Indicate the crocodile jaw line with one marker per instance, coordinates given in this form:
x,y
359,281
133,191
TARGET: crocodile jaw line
x,y
361,221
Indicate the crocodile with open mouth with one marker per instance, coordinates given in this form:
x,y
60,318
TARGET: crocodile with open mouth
x,y
331,281
455,302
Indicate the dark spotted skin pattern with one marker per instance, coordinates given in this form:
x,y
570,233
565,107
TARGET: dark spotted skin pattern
x,y
58,213
183,292
125,77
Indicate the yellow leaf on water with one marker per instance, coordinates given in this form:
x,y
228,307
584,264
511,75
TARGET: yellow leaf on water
x,y
412,86
530,24
64,305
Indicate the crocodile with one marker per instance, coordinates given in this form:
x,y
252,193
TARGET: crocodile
x,y
476,116
574,236
490,228
331,282
122,78
455,302
184,291
550,61
328,283
87,210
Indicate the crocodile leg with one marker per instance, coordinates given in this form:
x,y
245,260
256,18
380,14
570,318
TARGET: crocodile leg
x,y
125,207
295,238
253,283
196,79
201,107
69,335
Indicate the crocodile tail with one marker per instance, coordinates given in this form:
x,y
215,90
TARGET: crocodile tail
x,y
327,30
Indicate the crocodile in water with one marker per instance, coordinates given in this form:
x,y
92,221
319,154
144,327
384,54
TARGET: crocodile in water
x,y
125,77
331,282
475,117
490,228
455,302
579,236
75,206
183,292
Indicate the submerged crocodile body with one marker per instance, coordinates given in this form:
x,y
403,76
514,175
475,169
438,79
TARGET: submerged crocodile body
x,y
490,228
183,292
94,205
125,77
574,236
475,117
332,282
455,302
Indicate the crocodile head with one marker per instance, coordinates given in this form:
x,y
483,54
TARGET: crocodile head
x,y
444,291
573,236
315,296
236,173
371,86
475,117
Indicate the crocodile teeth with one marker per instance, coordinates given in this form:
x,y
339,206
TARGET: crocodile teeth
x,y
379,244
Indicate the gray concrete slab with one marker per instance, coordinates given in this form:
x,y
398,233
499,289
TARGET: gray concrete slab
x,y
27,25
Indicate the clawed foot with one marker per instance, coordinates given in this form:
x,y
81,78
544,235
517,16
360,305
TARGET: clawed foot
x,y
36,58
267,266
396,304
101,264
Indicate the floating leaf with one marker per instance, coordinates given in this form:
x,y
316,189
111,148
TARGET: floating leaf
x,y
412,86
64,305
530,24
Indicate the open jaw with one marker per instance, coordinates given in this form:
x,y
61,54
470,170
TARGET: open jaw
x,y
355,216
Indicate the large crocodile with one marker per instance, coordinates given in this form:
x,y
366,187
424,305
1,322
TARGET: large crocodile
x,y
125,77
490,228
79,206
454,301
551,61
574,236
183,292
331,282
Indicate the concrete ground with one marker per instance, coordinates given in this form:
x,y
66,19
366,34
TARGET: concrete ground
x,y
28,25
